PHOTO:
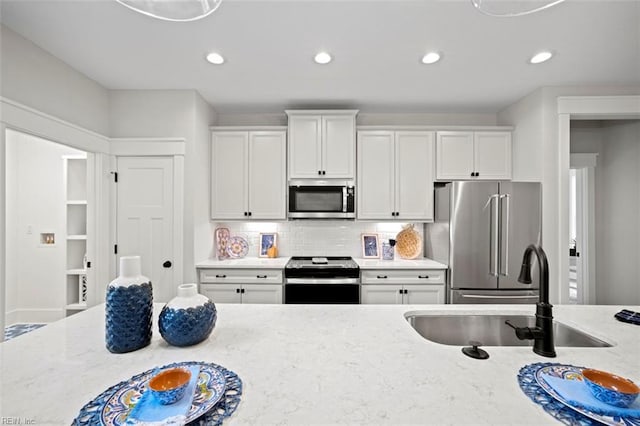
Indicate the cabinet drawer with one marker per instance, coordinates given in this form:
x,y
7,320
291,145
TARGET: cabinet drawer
x,y
240,276
406,276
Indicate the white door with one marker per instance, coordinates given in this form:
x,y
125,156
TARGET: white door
x,y
338,146
423,294
229,153
305,146
376,187
262,293
454,155
267,175
144,226
414,175
492,155
381,294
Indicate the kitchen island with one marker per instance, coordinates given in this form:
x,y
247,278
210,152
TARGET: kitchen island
x,y
312,364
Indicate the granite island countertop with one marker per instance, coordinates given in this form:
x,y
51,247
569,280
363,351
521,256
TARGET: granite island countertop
x,y
313,364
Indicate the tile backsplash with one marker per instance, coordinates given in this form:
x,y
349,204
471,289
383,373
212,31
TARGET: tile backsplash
x,y
312,237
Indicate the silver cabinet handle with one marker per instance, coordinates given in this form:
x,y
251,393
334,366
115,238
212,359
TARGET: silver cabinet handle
x,y
480,296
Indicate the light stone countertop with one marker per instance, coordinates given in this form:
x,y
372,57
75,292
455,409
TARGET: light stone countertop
x,y
421,263
246,263
313,364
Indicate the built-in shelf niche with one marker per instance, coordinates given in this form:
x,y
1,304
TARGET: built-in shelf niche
x,y
75,168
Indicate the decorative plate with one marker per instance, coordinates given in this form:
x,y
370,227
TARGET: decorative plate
x,y
209,389
238,247
570,372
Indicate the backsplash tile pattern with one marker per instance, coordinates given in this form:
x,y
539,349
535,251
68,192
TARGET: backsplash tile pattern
x,y
313,237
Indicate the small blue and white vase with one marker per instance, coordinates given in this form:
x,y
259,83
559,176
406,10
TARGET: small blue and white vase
x,y
188,318
129,308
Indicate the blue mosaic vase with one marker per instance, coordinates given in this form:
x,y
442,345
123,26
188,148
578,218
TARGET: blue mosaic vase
x,y
187,319
129,308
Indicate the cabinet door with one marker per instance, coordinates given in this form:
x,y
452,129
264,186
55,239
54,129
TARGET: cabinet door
x,y
414,175
492,155
305,151
375,189
262,293
229,175
267,175
424,294
338,146
221,293
454,155
381,294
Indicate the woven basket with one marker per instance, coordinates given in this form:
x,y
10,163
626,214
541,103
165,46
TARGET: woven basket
x,y
408,243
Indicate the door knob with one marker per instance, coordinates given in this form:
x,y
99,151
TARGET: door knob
x,y
167,264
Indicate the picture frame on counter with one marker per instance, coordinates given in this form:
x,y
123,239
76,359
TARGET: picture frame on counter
x,y
370,246
267,240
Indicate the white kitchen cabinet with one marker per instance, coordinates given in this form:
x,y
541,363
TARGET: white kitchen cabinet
x,y
322,144
395,175
240,285
480,155
402,287
248,178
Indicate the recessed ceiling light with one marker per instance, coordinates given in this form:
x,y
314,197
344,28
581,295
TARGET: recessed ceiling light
x,y
431,58
322,58
541,57
215,58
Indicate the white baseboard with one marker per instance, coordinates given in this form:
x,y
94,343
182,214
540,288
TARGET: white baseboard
x,y
30,316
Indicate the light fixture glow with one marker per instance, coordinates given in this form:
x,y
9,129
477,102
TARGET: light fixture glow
x,y
322,58
215,58
431,58
179,11
541,57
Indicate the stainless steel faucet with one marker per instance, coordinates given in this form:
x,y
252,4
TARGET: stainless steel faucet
x,y
542,333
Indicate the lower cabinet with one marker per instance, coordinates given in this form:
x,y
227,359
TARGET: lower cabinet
x,y
403,287
243,293
241,285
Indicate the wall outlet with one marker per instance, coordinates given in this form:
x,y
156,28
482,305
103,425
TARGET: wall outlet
x,y
29,229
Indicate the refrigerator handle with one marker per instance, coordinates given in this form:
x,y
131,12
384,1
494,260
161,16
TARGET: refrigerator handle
x,y
493,235
504,234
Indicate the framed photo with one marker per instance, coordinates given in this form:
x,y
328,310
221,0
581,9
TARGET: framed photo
x,y
370,248
267,241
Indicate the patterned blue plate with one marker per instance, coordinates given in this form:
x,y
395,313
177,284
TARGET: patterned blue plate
x,y
570,372
209,389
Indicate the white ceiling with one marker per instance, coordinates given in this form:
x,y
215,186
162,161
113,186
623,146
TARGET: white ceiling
x,y
377,46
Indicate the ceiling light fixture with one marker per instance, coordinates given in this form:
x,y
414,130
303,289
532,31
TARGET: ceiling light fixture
x,y
215,58
173,10
431,58
322,58
483,6
540,57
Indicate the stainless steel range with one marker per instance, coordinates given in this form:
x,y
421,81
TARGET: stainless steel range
x,y
326,280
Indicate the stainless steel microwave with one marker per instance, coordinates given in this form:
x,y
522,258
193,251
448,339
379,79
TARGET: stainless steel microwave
x,y
322,199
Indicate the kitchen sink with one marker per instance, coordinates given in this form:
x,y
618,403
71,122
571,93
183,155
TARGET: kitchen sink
x,y
491,330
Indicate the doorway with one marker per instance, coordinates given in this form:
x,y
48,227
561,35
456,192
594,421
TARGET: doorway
x,y
49,229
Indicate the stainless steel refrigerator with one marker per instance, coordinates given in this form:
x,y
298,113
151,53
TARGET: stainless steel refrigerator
x,y
481,230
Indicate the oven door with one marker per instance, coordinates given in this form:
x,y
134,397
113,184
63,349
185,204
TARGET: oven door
x,y
322,291
321,200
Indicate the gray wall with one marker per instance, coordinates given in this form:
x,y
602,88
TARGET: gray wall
x,y
37,79
617,203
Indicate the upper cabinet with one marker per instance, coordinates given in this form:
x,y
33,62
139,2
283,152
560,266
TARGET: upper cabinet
x,y
322,144
395,175
248,179
473,155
